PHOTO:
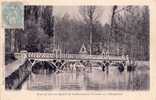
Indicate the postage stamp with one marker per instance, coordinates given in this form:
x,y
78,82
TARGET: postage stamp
x,y
13,15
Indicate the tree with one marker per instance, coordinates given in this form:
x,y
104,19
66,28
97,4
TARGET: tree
x,y
90,15
131,28
113,14
38,28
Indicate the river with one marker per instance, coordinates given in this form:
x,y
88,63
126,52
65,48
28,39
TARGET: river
x,y
95,80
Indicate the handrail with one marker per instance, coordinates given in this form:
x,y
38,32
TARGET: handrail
x,y
37,55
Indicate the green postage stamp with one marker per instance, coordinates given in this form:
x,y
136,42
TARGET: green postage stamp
x,y
13,14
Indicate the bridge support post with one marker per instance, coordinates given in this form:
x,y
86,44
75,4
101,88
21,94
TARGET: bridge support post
x,y
29,84
23,54
127,61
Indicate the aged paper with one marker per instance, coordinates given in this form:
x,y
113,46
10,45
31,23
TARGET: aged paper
x,y
77,49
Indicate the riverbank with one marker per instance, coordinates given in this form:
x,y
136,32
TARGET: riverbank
x,y
18,76
11,67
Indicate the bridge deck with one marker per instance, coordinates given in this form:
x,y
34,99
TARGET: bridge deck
x,y
48,56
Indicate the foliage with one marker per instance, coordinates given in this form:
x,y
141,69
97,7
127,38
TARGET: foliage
x,y
127,34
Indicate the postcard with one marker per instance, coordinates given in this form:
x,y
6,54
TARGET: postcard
x,y
78,50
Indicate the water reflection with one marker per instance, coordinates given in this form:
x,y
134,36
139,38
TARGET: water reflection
x,y
111,79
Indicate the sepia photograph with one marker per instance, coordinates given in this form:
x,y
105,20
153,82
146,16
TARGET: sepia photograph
x,y
85,47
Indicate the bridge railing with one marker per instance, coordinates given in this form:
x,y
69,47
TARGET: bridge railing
x,y
92,57
40,55
71,56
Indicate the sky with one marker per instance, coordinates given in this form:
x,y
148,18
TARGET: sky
x,y
73,11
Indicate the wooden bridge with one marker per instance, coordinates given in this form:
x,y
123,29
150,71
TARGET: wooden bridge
x,y
69,57
55,58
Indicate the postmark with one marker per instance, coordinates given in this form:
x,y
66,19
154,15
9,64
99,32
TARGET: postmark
x,y
13,14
